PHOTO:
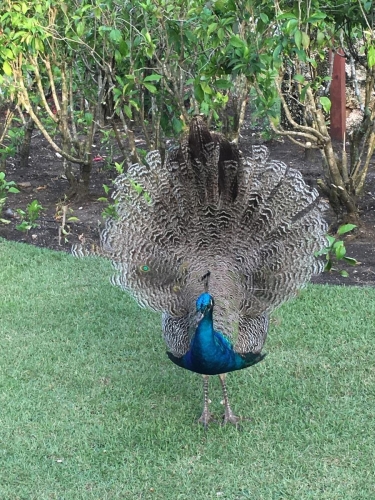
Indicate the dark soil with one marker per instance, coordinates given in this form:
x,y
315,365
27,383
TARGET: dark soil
x,y
43,180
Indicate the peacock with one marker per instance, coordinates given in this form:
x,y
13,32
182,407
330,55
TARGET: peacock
x,y
215,242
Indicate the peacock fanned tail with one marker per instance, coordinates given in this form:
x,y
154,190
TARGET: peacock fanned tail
x,y
252,223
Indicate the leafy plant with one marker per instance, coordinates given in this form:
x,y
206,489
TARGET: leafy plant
x,y
12,140
5,188
119,167
111,209
15,136
335,251
29,216
294,66
6,152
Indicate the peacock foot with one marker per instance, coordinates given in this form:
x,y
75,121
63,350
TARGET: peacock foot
x,y
230,418
205,419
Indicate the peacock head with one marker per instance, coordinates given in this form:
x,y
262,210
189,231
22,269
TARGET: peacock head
x,y
205,303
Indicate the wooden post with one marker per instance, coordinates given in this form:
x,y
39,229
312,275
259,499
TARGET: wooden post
x,y
338,98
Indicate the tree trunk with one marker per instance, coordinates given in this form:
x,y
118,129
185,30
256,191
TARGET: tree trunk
x,y
25,147
84,184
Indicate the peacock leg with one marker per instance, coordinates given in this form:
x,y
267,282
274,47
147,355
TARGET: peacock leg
x,y
229,416
206,416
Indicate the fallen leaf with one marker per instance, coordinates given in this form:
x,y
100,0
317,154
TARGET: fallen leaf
x,y
24,185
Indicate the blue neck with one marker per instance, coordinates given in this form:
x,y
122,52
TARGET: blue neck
x,y
210,352
205,334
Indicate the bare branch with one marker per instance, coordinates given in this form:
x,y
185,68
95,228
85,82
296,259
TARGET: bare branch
x,y
293,133
41,90
52,83
317,136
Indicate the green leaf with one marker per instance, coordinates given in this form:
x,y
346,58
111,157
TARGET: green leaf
x,y
119,167
290,25
303,92
298,38
123,48
337,244
24,226
346,228
264,17
38,45
198,93
235,41
134,104
153,78
317,16
305,40
206,88
151,88
88,118
367,6
80,28
7,68
326,104
344,274
177,125
320,38
212,27
128,111
276,52
8,53
115,36
340,249
150,51
350,261
286,15
222,84
331,240
328,266
13,190
299,78
371,56
323,251
118,56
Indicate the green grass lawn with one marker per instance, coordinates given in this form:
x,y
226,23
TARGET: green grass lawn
x,y
91,407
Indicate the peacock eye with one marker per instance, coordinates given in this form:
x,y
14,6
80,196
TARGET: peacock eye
x,y
144,269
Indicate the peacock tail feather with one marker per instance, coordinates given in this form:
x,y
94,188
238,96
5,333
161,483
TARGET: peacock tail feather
x,y
252,223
